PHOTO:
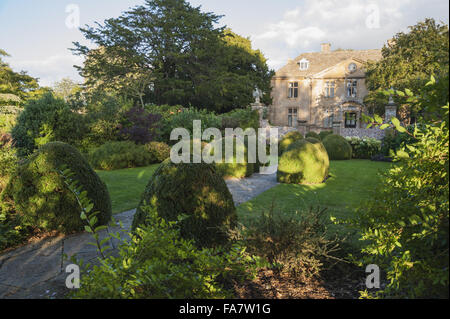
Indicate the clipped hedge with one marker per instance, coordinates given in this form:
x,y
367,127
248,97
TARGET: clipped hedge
x,y
118,155
234,169
364,148
287,140
159,151
303,163
337,147
38,193
313,134
193,190
324,134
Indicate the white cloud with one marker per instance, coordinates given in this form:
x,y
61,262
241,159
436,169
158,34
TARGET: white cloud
x,y
50,69
352,24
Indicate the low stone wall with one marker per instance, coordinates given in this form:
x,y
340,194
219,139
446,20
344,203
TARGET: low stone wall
x,y
363,133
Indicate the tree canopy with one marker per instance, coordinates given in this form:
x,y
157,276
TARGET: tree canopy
x,y
169,52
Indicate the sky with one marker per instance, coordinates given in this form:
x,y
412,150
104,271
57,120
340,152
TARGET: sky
x,y
38,34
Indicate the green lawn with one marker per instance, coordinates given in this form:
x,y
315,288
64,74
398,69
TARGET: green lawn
x,y
126,186
350,183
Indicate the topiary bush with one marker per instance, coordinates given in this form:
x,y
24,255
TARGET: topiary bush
x,y
235,169
338,147
118,155
287,140
324,134
196,191
313,134
160,151
313,140
38,194
303,163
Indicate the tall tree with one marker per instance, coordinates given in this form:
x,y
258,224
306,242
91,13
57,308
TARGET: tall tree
x,y
409,59
169,52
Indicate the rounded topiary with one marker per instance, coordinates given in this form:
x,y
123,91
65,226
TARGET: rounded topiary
x,y
338,147
41,197
303,163
324,134
287,140
194,190
313,134
313,140
230,167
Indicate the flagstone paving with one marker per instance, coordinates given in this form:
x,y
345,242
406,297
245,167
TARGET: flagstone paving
x,y
38,270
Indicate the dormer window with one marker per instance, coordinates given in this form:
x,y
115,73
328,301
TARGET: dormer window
x,y
352,67
304,64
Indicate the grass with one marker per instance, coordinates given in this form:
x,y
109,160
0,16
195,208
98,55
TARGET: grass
x,y
126,186
350,184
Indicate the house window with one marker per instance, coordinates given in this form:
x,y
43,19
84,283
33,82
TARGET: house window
x,y
329,89
352,67
304,64
351,88
293,90
292,116
328,119
350,120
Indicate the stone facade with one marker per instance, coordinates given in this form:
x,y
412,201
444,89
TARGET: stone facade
x,y
319,91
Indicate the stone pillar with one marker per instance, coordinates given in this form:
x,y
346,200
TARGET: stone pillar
x,y
302,127
390,110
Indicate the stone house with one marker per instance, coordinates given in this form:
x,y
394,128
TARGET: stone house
x,y
321,90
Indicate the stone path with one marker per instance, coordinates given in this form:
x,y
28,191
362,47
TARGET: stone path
x,y
38,270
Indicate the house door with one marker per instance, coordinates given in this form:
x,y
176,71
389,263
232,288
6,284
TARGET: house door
x,y
292,117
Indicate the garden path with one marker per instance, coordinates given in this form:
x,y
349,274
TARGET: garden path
x,y
37,270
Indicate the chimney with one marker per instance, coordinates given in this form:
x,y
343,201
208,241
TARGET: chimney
x,y
325,47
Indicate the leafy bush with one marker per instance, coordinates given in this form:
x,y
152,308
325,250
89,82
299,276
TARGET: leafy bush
x,y
394,140
296,243
287,140
118,155
229,167
364,148
313,134
45,120
7,122
195,190
158,263
8,159
406,225
324,134
243,118
158,150
140,126
303,163
165,111
313,140
337,147
37,194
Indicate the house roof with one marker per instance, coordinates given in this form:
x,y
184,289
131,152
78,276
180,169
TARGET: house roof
x,y
319,61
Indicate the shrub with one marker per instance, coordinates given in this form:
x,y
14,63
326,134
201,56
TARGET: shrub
x,y
287,140
243,118
158,263
295,243
159,151
140,126
405,227
313,140
393,140
45,120
303,163
8,159
37,193
194,190
364,148
337,147
313,134
324,134
229,167
118,155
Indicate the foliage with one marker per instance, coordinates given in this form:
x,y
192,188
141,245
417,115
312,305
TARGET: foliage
x,y
394,140
296,243
364,148
303,163
406,225
242,118
324,134
117,155
44,120
165,111
160,151
287,140
66,89
409,60
195,190
36,192
313,134
169,52
158,263
231,166
140,126
338,148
